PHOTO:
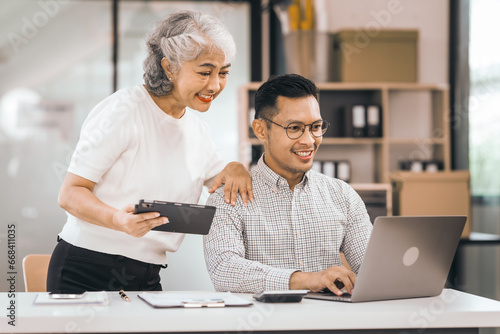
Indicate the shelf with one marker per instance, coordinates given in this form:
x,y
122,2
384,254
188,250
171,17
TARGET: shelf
x,y
376,86
414,126
336,141
351,141
417,141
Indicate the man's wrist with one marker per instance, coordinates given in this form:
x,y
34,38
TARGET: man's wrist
x,y
299,281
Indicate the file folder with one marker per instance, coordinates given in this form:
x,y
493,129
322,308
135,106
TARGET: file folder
x,y
329,168
355,121
373,116
344,171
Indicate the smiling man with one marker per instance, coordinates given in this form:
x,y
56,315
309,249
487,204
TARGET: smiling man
x,y
291,235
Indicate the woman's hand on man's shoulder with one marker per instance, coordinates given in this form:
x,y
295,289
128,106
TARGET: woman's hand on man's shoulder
x,y
236,179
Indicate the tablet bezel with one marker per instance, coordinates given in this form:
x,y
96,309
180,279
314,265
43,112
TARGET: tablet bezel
x,y
183,217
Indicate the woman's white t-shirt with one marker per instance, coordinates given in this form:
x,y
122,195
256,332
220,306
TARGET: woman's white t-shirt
x,y
132,150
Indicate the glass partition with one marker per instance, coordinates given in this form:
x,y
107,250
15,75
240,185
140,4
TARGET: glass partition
x,y
54,67
56,64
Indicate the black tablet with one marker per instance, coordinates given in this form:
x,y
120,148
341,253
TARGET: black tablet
x,y
184,218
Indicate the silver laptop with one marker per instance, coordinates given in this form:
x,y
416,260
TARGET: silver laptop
x,y
406,257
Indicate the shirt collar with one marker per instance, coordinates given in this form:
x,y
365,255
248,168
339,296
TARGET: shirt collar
x,y
274,180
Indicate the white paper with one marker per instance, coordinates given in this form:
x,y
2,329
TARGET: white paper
x,y
90,298
169,299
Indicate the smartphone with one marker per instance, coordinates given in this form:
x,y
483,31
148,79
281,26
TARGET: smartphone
x,y
67,295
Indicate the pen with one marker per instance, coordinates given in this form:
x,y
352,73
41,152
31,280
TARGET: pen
x,y
124,296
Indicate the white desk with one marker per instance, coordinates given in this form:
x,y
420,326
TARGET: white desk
x,y
451,312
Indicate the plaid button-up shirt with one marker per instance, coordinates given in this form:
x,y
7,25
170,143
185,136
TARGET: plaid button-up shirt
x,y
258,247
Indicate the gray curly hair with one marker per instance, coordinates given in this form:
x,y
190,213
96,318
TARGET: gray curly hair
x,y
180,37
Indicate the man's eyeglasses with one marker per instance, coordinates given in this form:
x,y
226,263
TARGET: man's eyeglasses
x,y
295,130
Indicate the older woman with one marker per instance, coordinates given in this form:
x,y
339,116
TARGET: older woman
x,y
142,142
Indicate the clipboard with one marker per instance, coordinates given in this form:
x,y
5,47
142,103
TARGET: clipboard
x,y
192,300
184,218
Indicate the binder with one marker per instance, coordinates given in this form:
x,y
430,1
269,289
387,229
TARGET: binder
x,y
337,124
316,166
338,169
431,166
355,121
329,168
405,164
373,121
417,166
344,170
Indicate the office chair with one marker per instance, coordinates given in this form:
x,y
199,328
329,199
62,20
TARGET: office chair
x,y
35,267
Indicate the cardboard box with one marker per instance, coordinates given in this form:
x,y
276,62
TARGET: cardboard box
x,y
441,193
386,55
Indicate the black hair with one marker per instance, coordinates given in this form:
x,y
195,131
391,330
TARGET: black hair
x,y
286,85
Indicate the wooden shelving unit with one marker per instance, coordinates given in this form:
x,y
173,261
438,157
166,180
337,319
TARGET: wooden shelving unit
x,y
414,120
